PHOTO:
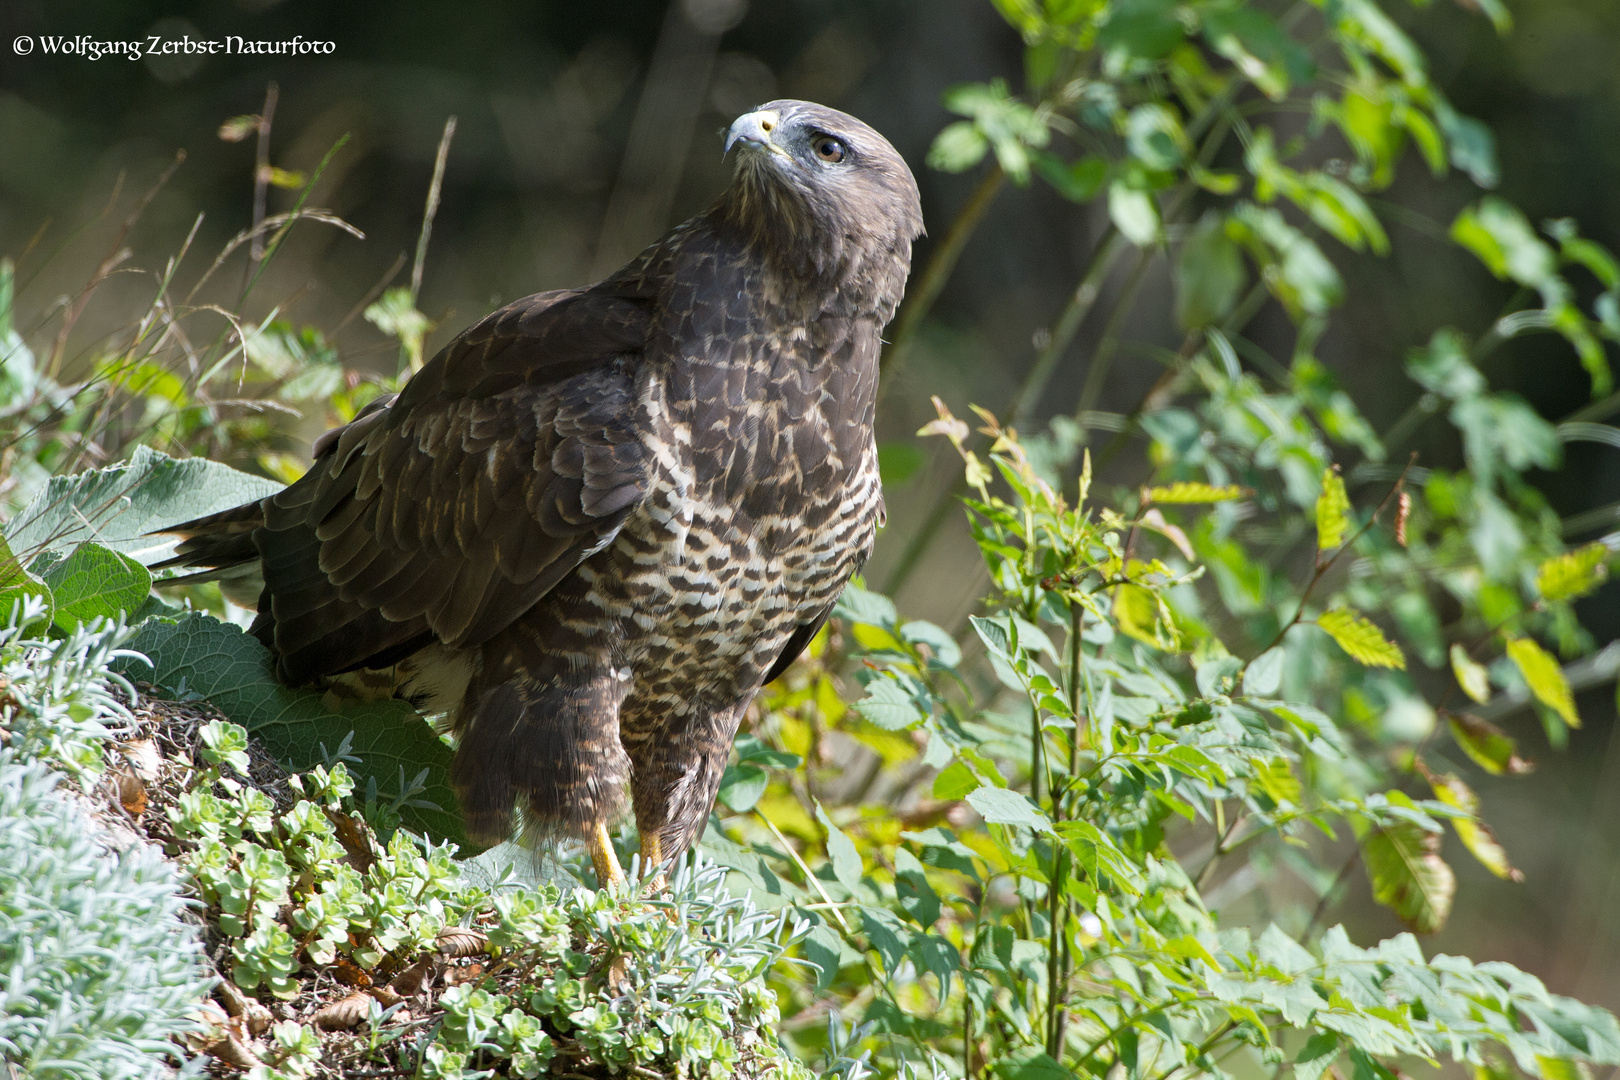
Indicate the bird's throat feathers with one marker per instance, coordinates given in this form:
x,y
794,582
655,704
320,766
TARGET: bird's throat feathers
x,y
832,240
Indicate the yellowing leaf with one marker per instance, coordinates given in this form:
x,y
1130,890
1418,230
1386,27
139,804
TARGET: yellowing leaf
x,y
1141,616
1274,778
1364,642
1471,676
1492,748
1184,492
1408,875
1540,669
1475,834
1574,573
1332,511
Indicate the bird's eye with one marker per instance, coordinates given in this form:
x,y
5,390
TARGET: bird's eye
x,y
828,148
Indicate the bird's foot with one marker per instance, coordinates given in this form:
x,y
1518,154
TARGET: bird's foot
x,y
609,874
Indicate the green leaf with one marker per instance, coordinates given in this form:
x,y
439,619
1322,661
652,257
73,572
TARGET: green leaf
x,y
1545,678
1153,135
1475,834
1293,267
1002,807
1078,181
1444,368
742,786
1332,511
1408,876
1504,241
1574,573
1358,636
1316,1056
846,861
1189,492
1471,676
117,506
1209,275
858,605
16,583
1471,144
1147,29
956,781
958,148
1492,748
199,655
889,706
96,582
1134,213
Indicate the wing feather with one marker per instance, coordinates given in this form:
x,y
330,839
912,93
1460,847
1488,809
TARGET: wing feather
x,y
454,507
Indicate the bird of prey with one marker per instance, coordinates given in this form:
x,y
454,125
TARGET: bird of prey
x,y
599,520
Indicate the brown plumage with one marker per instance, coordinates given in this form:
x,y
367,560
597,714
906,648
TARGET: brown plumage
x,y
600,519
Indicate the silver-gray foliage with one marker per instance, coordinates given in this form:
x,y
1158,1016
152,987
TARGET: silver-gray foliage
x,y
97,968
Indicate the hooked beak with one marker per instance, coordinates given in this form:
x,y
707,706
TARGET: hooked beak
x,y
754,130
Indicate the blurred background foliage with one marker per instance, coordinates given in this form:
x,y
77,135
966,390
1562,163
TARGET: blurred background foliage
x,y
583,131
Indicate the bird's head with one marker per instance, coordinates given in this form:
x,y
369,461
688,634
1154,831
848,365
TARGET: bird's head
x,y
821,189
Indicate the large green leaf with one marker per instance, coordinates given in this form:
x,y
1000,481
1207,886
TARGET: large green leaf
x,y
117,506
203,657
96,582
1546,679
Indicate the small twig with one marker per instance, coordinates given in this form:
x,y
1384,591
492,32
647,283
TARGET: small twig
x,y
1322,567
261,178
432,207
1327,894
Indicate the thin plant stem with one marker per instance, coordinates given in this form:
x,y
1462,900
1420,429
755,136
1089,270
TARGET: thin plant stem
x,y
1081,301
1103,358
261,179
432,207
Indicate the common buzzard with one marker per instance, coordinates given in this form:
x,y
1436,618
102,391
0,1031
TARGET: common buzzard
x,y
594,524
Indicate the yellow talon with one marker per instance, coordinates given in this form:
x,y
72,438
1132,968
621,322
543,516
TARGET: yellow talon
x,y
608,871
652,859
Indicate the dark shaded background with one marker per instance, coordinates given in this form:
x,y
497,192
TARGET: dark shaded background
x,y
586,129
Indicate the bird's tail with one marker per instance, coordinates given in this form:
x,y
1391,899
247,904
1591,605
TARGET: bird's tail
x,y
221,547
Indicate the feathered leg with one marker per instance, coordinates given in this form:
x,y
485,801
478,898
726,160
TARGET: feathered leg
x,y
677,766
541,735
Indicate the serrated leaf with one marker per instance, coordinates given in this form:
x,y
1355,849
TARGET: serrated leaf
x,y
1545,678
200,655
1187,492
858,605
1002,807
1318,1054
1574,573
1492,748
96,582
1474,833
1332,511
117,506
1358,636
889,706
846,861
1473,677
955,781
1408,876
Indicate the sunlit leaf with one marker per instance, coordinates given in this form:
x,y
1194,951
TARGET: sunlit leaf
x,y
1190,492
1545,678
1492,748
1408,875
1332,511
889,706
1574,573
846,860
1474,679
1002,807
1358,636
1134,213
1475,834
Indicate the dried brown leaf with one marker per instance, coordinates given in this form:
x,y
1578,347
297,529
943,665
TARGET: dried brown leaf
x,y
455,976
409,982
459,941
345,1014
